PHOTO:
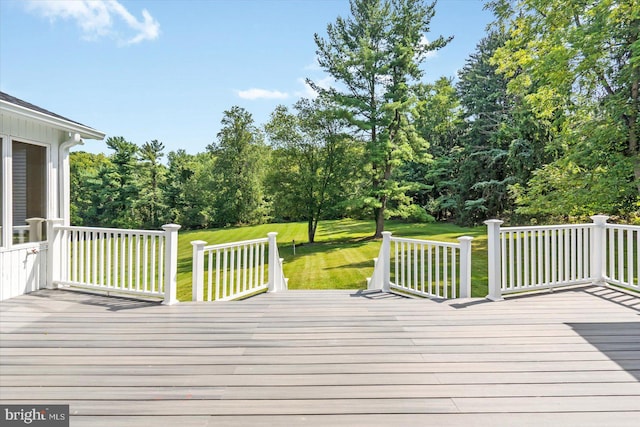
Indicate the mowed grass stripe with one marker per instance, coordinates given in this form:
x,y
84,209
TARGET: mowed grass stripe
x,y
341,257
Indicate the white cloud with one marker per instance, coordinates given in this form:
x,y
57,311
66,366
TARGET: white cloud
x,y
261,94
99,18
428,54
314,65
308,92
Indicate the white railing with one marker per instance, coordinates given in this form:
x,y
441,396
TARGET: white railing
x,y
20,233
32,232
138,262
622,264
236,270
541,257
422,267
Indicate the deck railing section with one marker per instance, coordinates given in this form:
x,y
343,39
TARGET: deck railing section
x,y
20,234
622,264
31,232
545,256
236,270
138,262
422,267
540,257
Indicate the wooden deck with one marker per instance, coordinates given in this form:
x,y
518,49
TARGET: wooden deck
x,y
327,358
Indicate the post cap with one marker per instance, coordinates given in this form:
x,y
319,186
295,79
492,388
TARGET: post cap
x,y
494,221
600,219
34,219
171,227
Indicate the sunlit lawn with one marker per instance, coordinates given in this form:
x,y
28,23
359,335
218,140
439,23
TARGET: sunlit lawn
x,y
341,258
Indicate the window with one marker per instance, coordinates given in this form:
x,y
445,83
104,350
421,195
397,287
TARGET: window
x,y
29,192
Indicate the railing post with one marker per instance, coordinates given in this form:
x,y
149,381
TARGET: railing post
x,y
55,252
386,260
375,281
35,229
598,248
273,263
171,263
197,277
282,284
495,263
465,266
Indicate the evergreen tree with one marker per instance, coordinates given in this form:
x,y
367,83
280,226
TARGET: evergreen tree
x,y
85,186
190,190
436,178
240,167
120,186
375,56
489,113
153,173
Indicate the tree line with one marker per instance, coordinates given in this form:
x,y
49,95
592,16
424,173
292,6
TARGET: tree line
x,y
541,124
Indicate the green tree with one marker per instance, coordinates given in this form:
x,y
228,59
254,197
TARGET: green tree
x,y
312,164
580,60
179,172
153,175
85,169
375,57
190,189
120,187
200,192
439,122
240,166
504,142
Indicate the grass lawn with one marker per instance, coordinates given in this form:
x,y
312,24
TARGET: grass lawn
x,y
341,258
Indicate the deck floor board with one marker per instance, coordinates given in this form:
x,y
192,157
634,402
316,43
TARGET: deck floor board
x,y
317,358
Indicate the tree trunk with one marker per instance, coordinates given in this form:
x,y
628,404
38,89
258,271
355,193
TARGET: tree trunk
x,y
311,230
636,172
380,218
383,206
383,200
634,150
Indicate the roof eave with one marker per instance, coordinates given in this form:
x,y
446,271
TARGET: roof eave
x,y
65,125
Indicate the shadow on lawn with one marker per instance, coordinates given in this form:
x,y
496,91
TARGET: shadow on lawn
x,y
353,265
313,249
185,264
305,249
335,240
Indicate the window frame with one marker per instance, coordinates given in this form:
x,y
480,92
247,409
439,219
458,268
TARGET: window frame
x,y
6,209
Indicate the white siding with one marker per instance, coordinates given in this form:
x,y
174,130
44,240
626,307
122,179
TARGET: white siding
x,y
20,128
23,270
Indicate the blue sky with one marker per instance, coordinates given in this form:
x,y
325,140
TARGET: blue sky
x,y
168,69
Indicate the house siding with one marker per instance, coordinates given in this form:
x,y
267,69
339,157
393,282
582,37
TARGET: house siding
x,y
23,267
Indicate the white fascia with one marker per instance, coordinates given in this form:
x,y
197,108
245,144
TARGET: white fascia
x,y
56,122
